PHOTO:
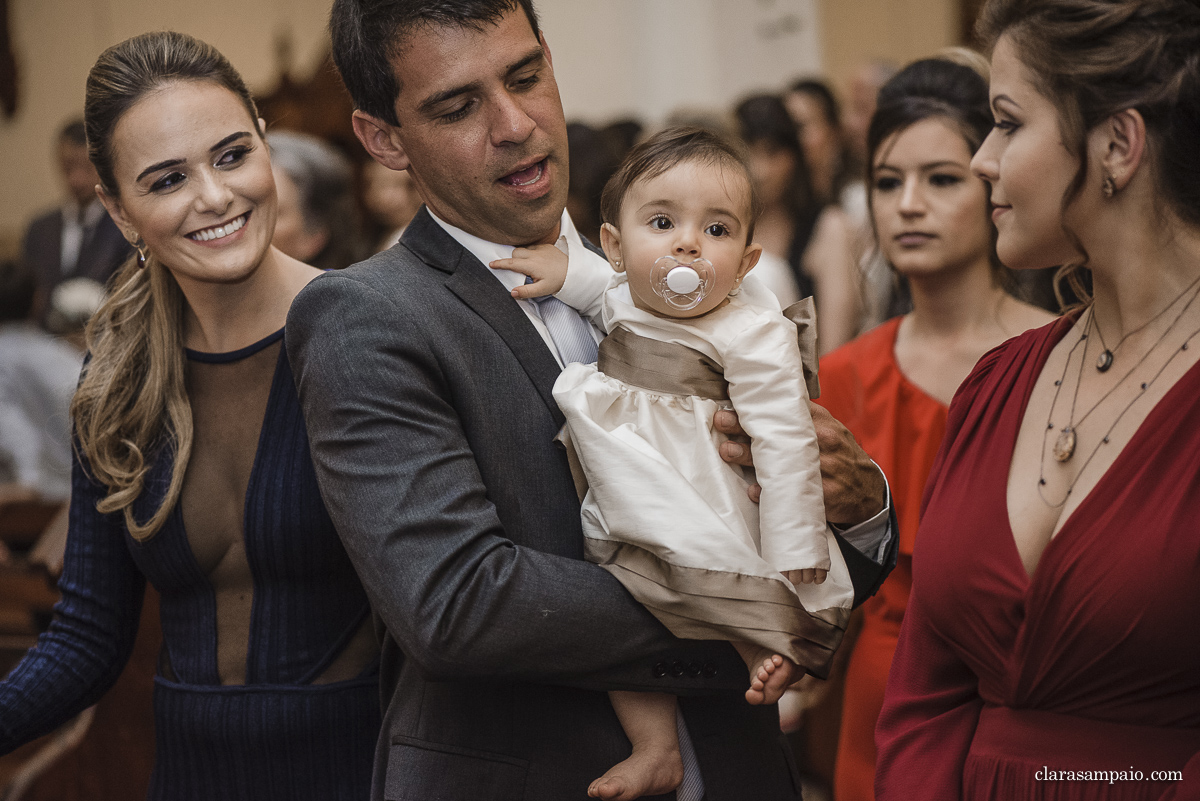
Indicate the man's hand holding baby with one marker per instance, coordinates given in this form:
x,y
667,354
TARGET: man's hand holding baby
x,y
854,486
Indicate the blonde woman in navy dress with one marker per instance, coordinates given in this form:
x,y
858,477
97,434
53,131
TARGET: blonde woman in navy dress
x,y
192,465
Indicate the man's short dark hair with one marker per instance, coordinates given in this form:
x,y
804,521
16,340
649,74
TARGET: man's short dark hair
x,y
16,291
73,133
367,34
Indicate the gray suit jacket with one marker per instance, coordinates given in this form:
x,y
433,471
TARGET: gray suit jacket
x,y
427,395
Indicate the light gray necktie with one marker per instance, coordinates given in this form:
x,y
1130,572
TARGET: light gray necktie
x,y
692,786
571,333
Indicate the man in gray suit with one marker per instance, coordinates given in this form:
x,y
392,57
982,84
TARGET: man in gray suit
x,y
427,392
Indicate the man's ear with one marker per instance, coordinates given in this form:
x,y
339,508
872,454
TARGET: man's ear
x,y
610,242
1123,138
113,206
380,140
749,259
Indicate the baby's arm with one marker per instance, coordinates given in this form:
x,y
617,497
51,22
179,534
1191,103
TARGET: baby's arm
x,y
766,386
545,264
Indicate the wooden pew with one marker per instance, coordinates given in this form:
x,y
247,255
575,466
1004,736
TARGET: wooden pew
x,y
107,753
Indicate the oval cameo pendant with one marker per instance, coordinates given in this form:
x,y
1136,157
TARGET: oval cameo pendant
x,y
1064,446
1104,361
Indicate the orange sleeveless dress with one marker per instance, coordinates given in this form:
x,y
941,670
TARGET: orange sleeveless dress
x,y
901,428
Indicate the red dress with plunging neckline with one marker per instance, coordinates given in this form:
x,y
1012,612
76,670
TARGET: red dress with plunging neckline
x,y
1093,663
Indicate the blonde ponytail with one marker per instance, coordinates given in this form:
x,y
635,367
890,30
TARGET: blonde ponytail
x,y
132,401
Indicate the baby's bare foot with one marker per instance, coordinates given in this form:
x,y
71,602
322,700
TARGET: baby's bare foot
x,y
773,677
648,771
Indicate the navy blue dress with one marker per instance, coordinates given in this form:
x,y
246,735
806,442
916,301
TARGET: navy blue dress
x,y
278,736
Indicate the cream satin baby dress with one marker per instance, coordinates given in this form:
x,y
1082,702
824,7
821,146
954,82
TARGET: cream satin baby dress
x,y
666,515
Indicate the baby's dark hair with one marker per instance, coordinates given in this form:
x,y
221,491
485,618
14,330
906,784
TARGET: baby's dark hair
x,y
669,148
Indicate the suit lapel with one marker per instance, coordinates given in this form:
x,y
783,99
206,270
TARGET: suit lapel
x,y
475,286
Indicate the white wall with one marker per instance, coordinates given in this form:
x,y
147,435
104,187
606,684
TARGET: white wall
x,y
645,58
857,31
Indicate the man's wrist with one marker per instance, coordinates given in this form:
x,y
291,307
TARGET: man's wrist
x,y
870,497
871,536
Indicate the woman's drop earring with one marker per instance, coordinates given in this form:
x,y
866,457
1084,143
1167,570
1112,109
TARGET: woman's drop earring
x,y
142,251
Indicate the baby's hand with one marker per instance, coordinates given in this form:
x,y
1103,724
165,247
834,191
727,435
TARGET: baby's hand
x,y
810,575
545,264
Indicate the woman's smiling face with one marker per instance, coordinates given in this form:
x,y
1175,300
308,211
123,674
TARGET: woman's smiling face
x,y
1028,166
194,181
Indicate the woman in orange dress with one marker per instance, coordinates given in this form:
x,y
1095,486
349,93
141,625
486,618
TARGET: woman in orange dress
x,y
891,386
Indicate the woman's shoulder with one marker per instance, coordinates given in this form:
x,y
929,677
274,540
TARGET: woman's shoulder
x,y
830,220
832,234
1010,360
1021,316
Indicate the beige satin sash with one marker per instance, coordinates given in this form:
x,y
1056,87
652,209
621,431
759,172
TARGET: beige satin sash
x,y
804,314
679,370
660,366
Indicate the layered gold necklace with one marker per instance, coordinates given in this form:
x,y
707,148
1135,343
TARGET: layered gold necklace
x,y
1066,441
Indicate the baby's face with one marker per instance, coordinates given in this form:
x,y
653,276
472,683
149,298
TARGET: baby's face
x,y
694,210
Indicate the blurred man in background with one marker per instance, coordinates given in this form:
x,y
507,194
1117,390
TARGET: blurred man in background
x,y
77,239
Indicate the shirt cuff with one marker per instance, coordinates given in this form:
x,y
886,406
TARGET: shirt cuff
x,y
587,277
872,536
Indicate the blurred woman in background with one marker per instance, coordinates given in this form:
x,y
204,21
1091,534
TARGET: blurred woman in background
x,y
891,386
807,245
318,221
815,110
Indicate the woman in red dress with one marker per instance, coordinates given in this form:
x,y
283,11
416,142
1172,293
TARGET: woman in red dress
x,y
891,386
1049,650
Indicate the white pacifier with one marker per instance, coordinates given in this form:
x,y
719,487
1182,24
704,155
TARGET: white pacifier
x,y
683,285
